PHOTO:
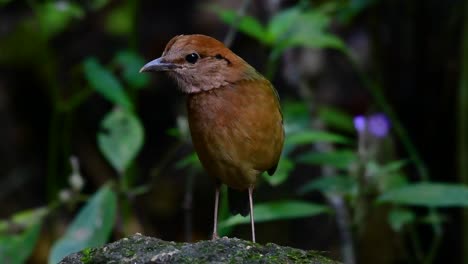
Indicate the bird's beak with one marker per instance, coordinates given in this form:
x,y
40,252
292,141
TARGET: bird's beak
x,y
158,64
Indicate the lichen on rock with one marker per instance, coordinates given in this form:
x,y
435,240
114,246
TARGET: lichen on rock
x,y
139,249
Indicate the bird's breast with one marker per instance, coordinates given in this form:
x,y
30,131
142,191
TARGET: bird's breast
x,y
237,131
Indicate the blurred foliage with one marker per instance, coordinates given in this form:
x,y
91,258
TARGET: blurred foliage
x,y
428,194
340,159
120,139
285,167
278,210
91,227
289,28
15,249
54,17
399,217
307,26
105,83
341,184
120,21
130,62
335,119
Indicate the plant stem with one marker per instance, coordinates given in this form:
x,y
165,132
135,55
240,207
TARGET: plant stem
x,y
434,247
233,28
376,92
413,236
344,227
53,156
125,207
271,66
76,100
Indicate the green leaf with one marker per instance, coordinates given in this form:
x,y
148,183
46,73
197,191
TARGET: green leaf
x,y
120,138
391,181
317,40
189,160
399,217
90,228
296,117
310,30
98,4
120,21
105,83
54,16
131,63
340,159
15,249
335,118
285,166
433,218
278,210
428,194
350,9
330,184
245,24
310,136
329,8
4,2
25,218
173,132
281,23
388,176
382,170
393,166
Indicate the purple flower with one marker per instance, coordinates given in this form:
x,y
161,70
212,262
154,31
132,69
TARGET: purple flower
x,y
378,125
360,123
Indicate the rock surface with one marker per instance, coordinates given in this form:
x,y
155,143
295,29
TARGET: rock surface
x,y
141,249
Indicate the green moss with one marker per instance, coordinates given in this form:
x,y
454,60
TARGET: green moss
x,y
141,249
87,255
128,252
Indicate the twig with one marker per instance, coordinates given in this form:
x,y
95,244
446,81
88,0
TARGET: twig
x,y
233,27
375,91
343,219
169,156
344,227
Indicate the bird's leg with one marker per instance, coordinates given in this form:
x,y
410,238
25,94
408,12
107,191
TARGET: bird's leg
x,y
215,225
252,223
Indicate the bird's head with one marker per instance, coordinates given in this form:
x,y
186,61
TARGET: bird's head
x,y
200,63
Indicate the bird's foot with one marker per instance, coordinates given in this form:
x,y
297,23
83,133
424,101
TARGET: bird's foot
x,y
214,236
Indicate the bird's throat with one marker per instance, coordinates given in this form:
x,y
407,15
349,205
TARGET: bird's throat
x,y
196,84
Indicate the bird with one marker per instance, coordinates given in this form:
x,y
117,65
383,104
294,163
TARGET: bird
x,y
234,116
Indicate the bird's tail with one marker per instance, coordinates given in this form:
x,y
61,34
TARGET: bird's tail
x,y
238,202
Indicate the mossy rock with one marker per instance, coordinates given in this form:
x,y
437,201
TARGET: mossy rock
x,y
141,249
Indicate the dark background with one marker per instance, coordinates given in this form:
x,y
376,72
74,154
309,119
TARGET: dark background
x,y
413,49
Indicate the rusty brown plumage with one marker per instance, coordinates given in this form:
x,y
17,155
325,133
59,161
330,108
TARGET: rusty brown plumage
x,y
234,113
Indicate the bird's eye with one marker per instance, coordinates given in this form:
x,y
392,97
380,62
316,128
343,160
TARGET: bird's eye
x,y
192,58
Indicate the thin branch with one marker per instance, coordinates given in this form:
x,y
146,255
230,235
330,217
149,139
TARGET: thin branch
x,y
376,92
233,28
